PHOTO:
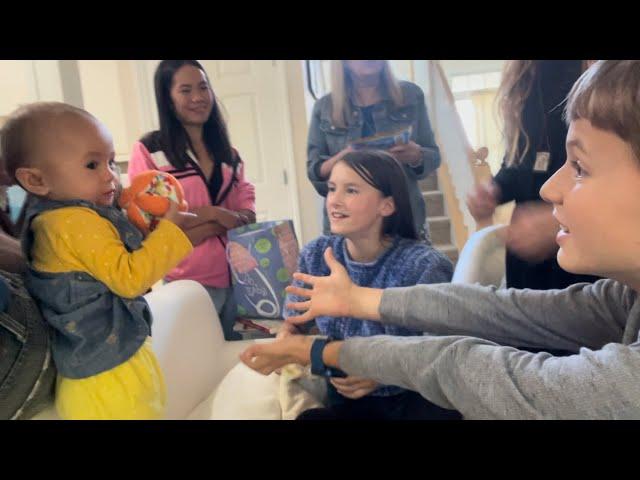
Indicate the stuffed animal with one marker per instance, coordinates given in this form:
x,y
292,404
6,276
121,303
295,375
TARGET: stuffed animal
x,y
147,198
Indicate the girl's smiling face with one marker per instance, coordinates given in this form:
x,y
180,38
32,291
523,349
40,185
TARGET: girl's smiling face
x,y
354,207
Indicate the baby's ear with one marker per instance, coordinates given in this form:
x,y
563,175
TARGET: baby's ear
x,y
32,180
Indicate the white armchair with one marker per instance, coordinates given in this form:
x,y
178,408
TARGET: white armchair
x,y
190,345
482,259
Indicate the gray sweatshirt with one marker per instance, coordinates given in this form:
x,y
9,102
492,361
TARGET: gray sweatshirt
x,y
470,371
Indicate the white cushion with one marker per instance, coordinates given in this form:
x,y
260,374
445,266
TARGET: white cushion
x,y
243,394
300,391
189,344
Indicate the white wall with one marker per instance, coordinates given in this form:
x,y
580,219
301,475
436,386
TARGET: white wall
x,y
25,81
300,107
403,69
466,67
16,84
477,84
109,92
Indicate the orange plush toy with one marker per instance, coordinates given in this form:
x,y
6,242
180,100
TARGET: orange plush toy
x,y
147,198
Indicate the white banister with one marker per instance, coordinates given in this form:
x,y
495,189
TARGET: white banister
x,y
466,165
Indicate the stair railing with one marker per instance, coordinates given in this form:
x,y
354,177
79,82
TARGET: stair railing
x,y
467,166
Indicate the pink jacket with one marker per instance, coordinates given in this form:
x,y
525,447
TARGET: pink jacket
x,y
207,263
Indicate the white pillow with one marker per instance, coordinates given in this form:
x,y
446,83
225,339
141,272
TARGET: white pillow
x,y
243,394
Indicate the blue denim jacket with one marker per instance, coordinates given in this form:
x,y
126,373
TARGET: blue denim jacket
x,y
326,139
95,329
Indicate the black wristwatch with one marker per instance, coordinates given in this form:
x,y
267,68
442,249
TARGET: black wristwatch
x,y
318,366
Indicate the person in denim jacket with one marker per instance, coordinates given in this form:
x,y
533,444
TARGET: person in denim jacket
x,y
366,99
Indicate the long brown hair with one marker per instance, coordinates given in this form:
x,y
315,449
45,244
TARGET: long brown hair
x,y
517,81
516,84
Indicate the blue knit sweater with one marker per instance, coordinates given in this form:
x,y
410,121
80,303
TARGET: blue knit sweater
x,y
405,263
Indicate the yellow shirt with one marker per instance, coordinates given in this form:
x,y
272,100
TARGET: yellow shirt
x,y
79,239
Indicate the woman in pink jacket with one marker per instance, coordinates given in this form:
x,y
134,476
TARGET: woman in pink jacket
x,y
193,145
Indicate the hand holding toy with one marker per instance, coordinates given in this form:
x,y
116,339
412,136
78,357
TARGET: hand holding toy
x,y
147,199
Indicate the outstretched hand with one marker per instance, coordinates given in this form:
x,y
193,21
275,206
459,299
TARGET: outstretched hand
x,y
328,296
266,358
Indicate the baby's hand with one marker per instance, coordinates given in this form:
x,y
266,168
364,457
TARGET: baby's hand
x,y
177,217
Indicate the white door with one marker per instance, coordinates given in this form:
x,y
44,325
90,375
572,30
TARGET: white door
x,y
255,105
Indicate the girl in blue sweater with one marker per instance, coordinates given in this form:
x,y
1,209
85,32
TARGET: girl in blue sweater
x,y
374,237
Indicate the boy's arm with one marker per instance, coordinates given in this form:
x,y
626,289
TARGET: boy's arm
x,y
485,381
582,315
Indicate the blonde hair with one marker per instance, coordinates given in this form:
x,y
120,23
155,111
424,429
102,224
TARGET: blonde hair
x,y
342,90
608,96
18,135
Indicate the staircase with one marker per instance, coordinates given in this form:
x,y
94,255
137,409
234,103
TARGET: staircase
x,y
439,222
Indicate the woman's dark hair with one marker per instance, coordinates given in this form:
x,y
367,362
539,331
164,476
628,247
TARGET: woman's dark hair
x,y
173,136
383,172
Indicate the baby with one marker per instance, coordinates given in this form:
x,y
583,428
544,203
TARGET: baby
x,y
88,265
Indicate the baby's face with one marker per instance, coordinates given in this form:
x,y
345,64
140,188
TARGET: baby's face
x,y
77,161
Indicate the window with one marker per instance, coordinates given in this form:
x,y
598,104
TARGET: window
x,y
475,96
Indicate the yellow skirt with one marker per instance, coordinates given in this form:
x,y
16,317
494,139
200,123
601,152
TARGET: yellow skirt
x,y
133,390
